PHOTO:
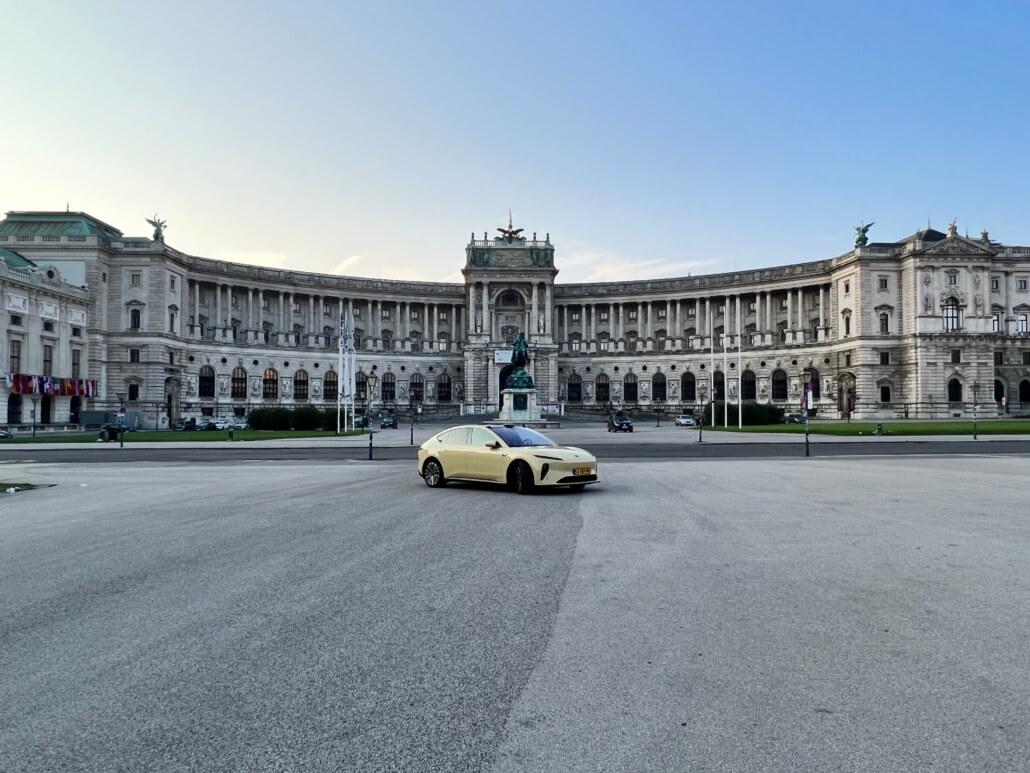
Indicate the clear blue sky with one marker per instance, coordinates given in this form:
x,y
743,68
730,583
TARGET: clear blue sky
x,y
649,139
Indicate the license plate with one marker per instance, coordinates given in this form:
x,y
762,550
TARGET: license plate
x,y
581,471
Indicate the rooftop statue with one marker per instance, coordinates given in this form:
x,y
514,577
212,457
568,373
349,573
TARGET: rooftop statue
x,y
510,233
159,228
861,240
953,228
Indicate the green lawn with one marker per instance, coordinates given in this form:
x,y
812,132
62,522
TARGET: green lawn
x,y
856,428
168,436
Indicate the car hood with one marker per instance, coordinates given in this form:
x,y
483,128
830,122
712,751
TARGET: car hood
x,y
564,453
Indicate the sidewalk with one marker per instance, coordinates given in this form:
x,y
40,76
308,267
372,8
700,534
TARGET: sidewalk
x,y
573,433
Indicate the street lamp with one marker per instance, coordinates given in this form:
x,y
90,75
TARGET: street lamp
x,y
702,390
35,402
976,391
658,411
806,401
370,385
121,415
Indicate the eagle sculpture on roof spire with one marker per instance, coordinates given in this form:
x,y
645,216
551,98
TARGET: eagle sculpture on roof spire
x,y
510,233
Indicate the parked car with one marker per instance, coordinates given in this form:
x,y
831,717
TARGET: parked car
x,y
4,433
685,420
388,422
223,424
179,424
361,421
620,422
793,418
241,424
207,426
520,457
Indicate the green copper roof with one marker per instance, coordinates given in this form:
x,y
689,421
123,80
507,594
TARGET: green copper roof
x,y
15,260
56,224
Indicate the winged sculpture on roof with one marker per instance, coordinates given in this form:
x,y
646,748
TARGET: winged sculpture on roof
x,y
510,233
159,228
861,240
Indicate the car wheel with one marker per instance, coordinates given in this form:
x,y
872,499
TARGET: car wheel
x,y
521,478
432,473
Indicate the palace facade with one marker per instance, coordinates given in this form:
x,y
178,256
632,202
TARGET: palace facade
x,y
932,325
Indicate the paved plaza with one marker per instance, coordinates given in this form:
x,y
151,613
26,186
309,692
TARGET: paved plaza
x,y
812,614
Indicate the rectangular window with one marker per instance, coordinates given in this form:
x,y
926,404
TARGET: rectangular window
x,y
133,355
1026,358
995,284
1021,323
885,323
574,316
956,355
632,316
48,360
357,313
266,304
76,362
885,358
76,332
602,316
576,344
327,310
847,360
847,288
134,392
605,344
135,279
1021,284
661,313
234,301
415,316
171,358
996,323
15,348
442,316
883,283
172,283
296,307
16,320
952,280
48,326
999,358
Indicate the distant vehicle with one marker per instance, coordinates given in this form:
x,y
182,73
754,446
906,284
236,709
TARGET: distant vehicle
x,y
207,426
685,420
620,422
793,418
241,424
179,424
361,421
4,433
223,424
388,422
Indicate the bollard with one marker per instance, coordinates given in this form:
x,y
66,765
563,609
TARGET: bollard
x,y
806,437
370,433
231,432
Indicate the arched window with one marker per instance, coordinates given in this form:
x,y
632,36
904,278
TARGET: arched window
x,y
658,390
779,385
688,387
1024,391
300,385
417,388
952,317
575,393
331,386
954,391
206,383
239,384
719,378
443,389
14,409
602,388
885,393
270,385
629,388
748,389
389,387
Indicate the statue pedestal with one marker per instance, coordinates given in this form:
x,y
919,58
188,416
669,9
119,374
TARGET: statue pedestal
x,y
519,405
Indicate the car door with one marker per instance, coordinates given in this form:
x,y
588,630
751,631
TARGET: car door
x,y
482,460
450,448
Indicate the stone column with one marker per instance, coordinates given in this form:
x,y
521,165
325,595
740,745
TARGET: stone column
x,y
709,330
768,317
436,324
534,327
487,327
549,309
472,308
565,322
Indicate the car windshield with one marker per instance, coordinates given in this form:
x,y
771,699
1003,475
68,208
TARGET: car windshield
x,y
521,436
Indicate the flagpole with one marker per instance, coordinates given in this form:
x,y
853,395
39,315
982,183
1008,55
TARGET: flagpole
x,y
340,383
711,353
740,373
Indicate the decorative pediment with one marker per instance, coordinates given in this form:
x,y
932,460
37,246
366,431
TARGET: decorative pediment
x,y
953,293
884,307
957,245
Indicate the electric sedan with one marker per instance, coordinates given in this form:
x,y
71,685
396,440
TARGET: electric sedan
x,y
519,457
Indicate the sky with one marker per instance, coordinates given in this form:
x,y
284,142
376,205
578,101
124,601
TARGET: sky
x,y
649,139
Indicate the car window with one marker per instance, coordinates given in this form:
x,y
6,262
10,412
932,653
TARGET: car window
x,y
515,437
480,437
454,437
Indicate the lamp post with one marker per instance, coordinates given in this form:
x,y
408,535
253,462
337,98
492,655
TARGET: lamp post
x,y
702,390
370,385
416,407
806,401
121,416
35,402
976,391
658,412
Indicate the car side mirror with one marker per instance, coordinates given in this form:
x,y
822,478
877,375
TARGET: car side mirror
x,y
496,444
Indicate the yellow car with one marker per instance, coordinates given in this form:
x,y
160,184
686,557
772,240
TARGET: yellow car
x,y
520,457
